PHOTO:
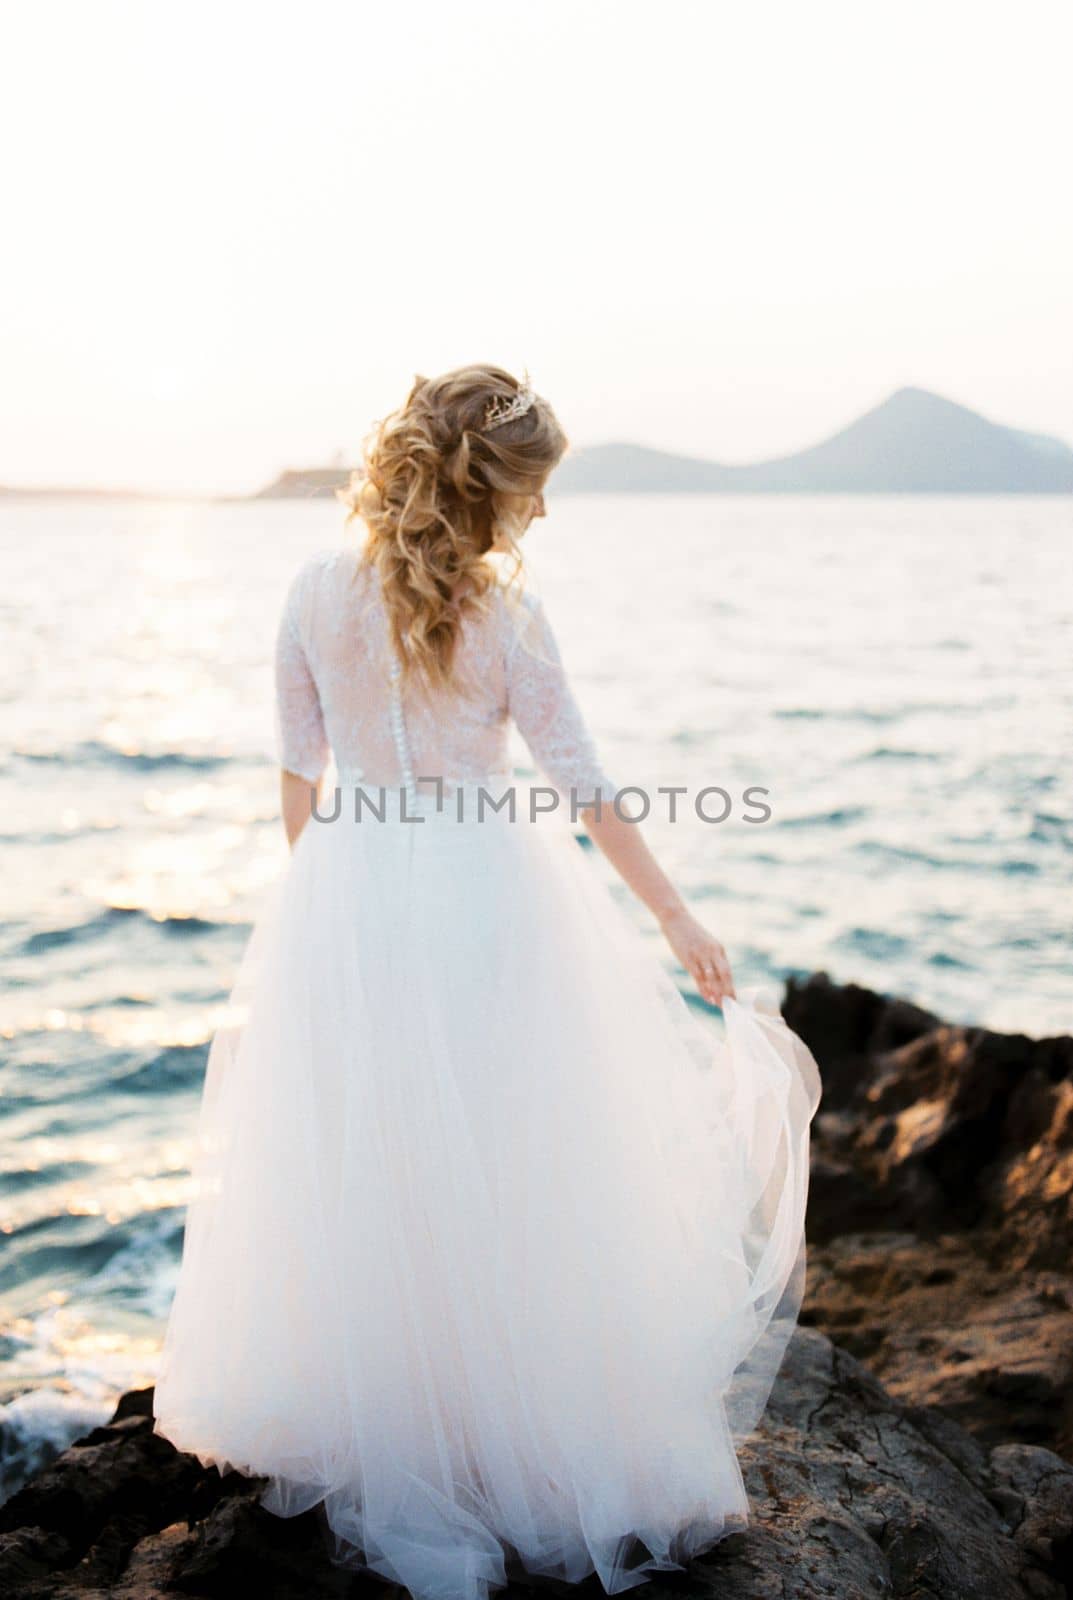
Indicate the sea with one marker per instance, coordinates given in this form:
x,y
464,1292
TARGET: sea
x,y
866,704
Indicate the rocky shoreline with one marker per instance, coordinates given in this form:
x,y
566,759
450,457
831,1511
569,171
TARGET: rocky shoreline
x,y
940,1220
918,1440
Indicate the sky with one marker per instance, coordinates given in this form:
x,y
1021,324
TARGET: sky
x,y
235,232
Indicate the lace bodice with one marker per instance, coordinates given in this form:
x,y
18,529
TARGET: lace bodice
x,y
338,692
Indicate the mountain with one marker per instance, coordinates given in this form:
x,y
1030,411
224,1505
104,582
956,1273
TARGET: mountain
x,y
915,442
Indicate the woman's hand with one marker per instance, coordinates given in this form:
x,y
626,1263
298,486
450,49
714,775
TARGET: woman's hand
x,y
700,953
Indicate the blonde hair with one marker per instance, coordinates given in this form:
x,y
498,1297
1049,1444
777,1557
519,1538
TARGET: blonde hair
x,y
429,496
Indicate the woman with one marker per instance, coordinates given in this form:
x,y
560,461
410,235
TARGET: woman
x,y
494,1247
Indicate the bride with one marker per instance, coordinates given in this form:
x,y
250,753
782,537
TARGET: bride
x,y
494,1246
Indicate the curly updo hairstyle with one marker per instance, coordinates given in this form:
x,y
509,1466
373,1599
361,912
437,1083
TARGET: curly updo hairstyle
x,y
429,494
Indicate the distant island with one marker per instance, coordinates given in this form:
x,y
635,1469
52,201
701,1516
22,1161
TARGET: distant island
x,y
915,442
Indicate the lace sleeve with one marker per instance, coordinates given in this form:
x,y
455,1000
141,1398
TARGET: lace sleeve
x,y
301,740
547,715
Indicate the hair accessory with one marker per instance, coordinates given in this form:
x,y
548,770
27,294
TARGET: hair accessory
x,y
498,410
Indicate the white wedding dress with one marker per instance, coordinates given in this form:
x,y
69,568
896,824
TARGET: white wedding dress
x,y
494,1246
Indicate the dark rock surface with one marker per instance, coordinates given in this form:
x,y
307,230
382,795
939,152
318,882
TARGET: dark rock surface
x,y
940,1217
931,1126
855,1493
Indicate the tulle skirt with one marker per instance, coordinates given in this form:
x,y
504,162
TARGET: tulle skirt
x,y
495,1245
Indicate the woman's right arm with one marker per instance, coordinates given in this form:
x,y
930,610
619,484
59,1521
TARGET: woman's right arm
x,y
550,720
699,951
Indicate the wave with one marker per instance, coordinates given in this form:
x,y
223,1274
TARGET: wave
x,y
62,835
14,1180
178,1066
878,850
95,752
35,1427
889,752
857,714
138,1275
94,1091
877,714
878,943
96,927
943,958
1048,828
110,918
56,1248
835,818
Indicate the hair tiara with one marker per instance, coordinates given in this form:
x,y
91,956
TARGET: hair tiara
x,y
498,410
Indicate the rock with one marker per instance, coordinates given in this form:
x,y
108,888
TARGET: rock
x,y
121,1513
944,1126
1036,1500
845,1025
856,1494
941,1326
853,1493
940,1219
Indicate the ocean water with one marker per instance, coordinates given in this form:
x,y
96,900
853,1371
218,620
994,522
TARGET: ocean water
x,y
896,673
